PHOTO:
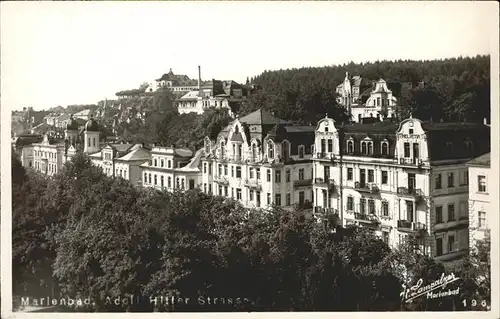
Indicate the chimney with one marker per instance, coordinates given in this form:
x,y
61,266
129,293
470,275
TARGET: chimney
x,y
199,77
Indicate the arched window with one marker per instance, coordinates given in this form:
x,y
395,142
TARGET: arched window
x,y
364,148
270,149
370,148
236,129
350,147
254,152
385,148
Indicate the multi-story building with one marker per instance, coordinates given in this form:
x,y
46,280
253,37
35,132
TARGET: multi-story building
x,y
176,83
171,168
23,146
362,100
399,179
48,156
480,184
260,160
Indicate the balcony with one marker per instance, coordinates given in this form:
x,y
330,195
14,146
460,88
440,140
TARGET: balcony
x,y
411,227
221,180
253,184
366,187
417,162
462,222
326,183
302,182
325,155
325,210
411,192
366,218
304,206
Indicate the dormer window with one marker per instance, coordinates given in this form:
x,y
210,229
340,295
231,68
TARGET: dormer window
x,y
236,129
367,147
301,151
270,150
326,129
385,148
350,147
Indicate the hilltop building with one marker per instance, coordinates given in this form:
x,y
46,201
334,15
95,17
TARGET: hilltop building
x,y
399,179
480,203
176,83
260,160
363,100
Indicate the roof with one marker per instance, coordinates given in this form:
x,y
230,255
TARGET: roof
x,y
183,152
194,163
121,147
261,117
191,95
448,126
84,112
137,153
377,127
483,160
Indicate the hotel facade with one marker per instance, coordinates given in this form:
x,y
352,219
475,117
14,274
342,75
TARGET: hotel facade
x,y
399,179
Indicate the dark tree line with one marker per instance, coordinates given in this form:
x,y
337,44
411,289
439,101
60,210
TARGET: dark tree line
x,y
454,89
83,234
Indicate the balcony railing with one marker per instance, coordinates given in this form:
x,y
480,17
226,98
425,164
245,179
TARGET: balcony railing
x,y
321,182
325,210
221,180
410,161
302,182
254,184
409,226
325,155
416,193
366,187
366,217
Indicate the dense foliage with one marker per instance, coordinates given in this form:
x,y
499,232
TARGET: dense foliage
x,y
454,89
83,234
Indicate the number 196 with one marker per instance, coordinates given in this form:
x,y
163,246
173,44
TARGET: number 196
x,y
474,303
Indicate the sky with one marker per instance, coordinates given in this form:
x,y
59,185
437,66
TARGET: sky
x,y
63,53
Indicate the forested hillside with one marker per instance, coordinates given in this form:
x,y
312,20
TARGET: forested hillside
x,y
455,89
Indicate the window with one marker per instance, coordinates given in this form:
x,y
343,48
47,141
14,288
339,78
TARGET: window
x,y
220,169
225,170
452,245
226,191
93,141
277,176
330,145
220,190
270,150
254,152
169,165
210,188
451,212
384,177
385,208
362,205
251,195
385,237
238,193
439,246
407,150
182,184
439,214
450,180
350,203
385,148
301,173
288,199
162,181
258,198
350,147
481,222
154,178
149,177
410,131
364,148
232,192
204,187
438,181
371,206
326,129
251,172
232,171
370,176
238,171
269,198
349,173
481,184
258,173
370,148
268,175
155,162
301,151
287,175
278,199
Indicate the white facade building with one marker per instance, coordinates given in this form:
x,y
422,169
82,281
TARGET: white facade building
x,y
47,156
261,161
399,179
480,206
171,168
